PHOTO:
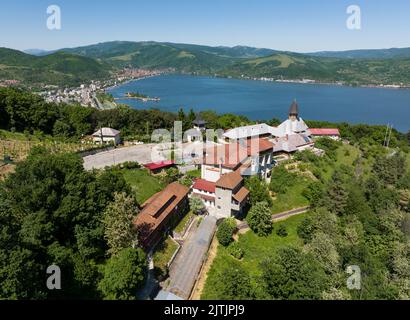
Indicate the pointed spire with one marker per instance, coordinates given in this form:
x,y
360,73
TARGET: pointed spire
x,y
294,109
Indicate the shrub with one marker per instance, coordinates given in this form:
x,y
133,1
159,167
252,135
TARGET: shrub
x,y
235,251
225,232
282,232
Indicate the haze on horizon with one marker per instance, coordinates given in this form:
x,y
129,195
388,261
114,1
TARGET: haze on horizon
x,y
311,26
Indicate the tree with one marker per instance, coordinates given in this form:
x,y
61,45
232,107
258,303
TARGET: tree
x,y
171,175
190,118
225,231
232,283
289,274
260,219
118,222
390,169
336,197
51,211
124,274
258,191
322,248
196,204
314,193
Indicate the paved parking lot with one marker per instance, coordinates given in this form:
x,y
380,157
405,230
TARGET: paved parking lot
x,y
140,153
143,154
187,265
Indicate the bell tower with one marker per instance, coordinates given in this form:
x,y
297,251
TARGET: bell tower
x,y
294,111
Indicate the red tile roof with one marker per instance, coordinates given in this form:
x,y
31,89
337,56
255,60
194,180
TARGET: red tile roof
x,y
324,132
229,155
204,185
160,165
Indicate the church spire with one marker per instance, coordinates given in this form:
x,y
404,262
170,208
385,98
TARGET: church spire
x,y
294,109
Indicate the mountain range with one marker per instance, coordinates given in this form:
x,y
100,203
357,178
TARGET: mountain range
x,y
71,66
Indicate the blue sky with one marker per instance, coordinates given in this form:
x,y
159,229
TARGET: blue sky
x,y
295,25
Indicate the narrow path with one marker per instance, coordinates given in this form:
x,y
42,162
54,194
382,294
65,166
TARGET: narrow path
x,y
279,216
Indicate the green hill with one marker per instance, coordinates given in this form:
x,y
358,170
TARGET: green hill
x,y
184,58
72,66
58,68
298,66
393,53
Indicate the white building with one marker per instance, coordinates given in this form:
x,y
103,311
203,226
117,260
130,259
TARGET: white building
x,y
107,136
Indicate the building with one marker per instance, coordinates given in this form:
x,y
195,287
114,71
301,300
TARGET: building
x,y
157,167
205,190
199,123
196,134
227,196
222,159
107,136
261,130
325,133
230,195
293,125
160,214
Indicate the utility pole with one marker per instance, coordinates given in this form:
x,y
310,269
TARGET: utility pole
x,y
385,136
388,141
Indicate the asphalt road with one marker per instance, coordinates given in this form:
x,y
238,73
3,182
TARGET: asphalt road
x,y
187,265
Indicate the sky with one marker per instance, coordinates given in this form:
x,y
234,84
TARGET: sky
x,y
294,25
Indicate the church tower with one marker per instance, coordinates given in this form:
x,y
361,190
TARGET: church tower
x,y
294,111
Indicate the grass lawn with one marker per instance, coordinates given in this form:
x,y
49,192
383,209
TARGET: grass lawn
x,y
292,198
163,253
256,249
182,224
143,184
194,174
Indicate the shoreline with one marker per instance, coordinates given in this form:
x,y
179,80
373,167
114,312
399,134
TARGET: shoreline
x,y
269,80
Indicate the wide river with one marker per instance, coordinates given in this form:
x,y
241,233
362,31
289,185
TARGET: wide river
x,y
260,100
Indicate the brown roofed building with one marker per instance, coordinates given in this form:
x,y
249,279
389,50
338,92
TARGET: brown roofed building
x,y
160,213
230,195
230,181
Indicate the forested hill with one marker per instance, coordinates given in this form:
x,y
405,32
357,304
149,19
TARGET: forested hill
x,y
75,65
392,53
291,66
58,68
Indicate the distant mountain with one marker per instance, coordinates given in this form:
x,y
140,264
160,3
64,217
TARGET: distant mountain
x,y
291,66
38,52
393,53
76,65
58,68
182,57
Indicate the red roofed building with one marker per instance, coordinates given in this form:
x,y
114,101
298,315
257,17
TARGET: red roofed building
x,y
332,133
159,166
160,213
205,190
